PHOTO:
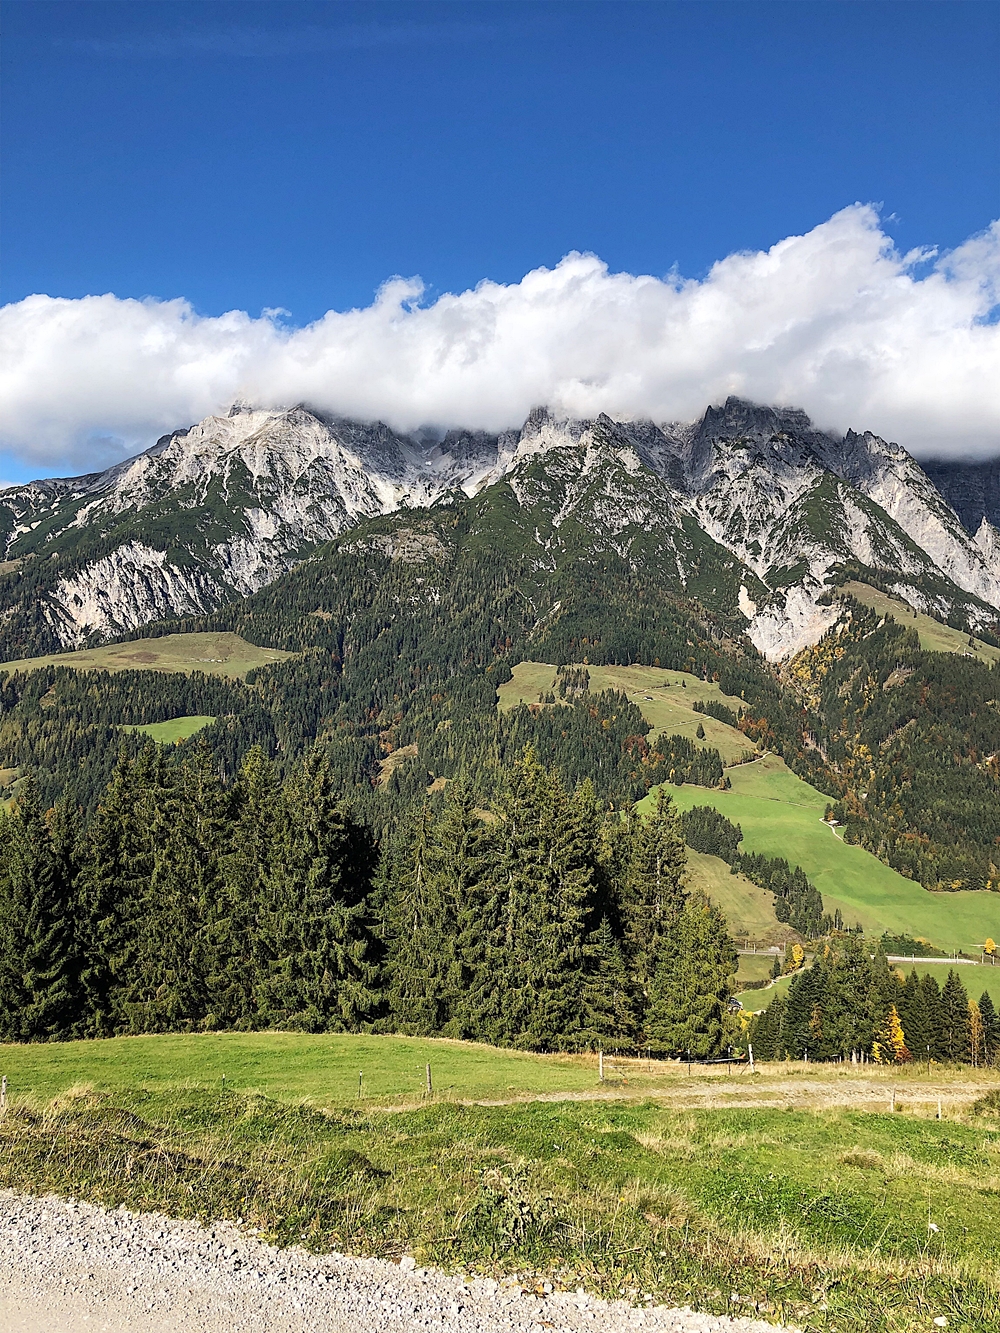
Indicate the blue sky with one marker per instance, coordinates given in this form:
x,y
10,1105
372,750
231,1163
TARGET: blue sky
x,y
296,155
201,158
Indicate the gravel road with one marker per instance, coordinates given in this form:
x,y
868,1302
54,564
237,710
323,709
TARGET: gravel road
x,y
68,1267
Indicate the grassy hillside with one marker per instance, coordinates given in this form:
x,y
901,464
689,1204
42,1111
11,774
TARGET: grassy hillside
x,y
291,1066
718,1194
665,699
782,816
749,909
216,654
934,637
177,729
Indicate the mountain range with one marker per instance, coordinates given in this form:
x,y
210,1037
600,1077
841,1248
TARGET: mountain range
x,y
751,513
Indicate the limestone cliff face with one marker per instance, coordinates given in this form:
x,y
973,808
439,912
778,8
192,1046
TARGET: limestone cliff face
x,y
218,511
751,509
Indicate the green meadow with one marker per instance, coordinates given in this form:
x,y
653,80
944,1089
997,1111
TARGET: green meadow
x,y
665,699
934,637
291,1066
216,654
780,816
791,1194
177,729
783,816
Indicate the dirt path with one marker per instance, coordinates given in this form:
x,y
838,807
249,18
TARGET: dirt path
x,y
907,1092
70,1268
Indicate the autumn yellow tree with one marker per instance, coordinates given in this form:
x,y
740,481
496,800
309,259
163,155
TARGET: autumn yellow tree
x,y
794,958
890,1045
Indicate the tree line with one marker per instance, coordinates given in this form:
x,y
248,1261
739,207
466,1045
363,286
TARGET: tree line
x,y
533,916
852,1003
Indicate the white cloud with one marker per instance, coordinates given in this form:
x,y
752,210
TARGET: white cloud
x,y
836,321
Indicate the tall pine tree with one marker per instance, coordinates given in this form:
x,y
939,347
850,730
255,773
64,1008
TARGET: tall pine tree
x,y
39,958
320,954
688,1011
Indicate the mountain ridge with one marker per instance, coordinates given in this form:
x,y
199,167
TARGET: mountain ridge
x,y
218,510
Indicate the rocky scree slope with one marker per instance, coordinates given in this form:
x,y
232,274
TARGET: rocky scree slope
x,y
750,511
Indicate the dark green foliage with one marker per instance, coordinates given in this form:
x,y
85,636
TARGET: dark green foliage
x,y
955,1024
39,955
834,1009
839,1008
652,892
600,738
708,831
572,681
991,1028
694,978
714,708
683,761
931,721
64,725
435,936
541,885
317,945
796,898
186,905
901,945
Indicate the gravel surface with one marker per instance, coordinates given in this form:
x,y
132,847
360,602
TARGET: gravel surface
x,y
68,1267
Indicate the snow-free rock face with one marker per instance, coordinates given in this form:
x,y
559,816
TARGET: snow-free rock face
x,y
750,510
219,510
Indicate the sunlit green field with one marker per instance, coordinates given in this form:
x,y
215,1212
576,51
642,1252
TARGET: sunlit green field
x,y
749,909
934,637
782,816
216,654
177,729
665,699
293,1065
792,1194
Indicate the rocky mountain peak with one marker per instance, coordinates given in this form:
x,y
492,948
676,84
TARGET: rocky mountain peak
x,y
755,493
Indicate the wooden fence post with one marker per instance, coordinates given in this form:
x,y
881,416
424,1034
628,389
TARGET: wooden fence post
x,y
429,1086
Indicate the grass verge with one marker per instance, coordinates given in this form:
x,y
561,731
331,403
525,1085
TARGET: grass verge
x,y
822,1219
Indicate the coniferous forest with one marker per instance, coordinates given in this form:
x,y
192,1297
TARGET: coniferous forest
x,y
543,920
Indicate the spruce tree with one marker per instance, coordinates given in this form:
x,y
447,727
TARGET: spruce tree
x,y
991,1029
239,964
319,949
39,959
179,946
608,997
537,904
688,1010
955,1034
652,892
114,888
434,923
932,1019
766,1031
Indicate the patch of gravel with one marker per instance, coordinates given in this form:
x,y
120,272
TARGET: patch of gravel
x,y
67,1267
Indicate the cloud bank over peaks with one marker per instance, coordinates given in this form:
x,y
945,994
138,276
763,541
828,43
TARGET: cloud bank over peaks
x,y
836,321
